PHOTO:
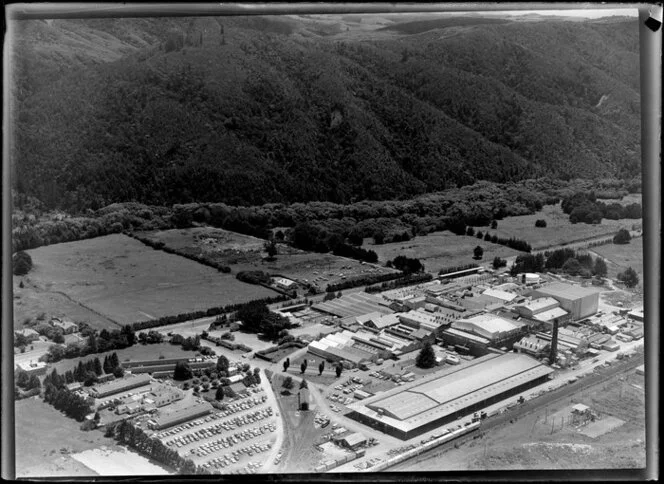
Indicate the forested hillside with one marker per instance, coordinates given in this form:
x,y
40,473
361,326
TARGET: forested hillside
x,y
247,111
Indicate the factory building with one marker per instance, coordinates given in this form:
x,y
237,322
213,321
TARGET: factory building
x,y
580,302
119,385
533,346
423,405
181,415
542,312
489,326
420,319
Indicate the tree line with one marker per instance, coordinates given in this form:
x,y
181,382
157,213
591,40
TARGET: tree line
x,y
407,280
584,207
567,260
159,245
126,433
56,394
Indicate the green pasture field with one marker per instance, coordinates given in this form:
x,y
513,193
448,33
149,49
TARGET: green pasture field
x,y
442,249
245,253
45,438
559,230
621,256
126,281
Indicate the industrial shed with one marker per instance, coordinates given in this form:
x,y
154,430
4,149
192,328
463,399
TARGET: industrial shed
x,y
165,420
119,385
580,301
418,407
489,326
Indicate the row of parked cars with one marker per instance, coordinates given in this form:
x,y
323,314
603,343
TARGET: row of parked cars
x,y
335,397
234,457
232,408
231,440
228,425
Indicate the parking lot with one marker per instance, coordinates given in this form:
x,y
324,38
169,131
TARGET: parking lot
x,y
230,440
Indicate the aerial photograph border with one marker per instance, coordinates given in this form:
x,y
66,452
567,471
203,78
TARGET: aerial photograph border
x,y
328,327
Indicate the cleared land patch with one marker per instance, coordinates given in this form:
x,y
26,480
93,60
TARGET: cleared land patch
x,y
126,281
559,230
246,253
442,249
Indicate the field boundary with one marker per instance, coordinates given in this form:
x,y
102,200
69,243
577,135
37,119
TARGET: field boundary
x,y
89,308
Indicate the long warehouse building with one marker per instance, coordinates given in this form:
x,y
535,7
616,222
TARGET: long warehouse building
x,y
424,405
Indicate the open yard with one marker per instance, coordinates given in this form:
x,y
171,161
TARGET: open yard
x,y
125,281
299,454
245,253
548,439
559,230
442,249
45,440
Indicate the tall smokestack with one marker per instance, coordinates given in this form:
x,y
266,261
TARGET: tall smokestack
x,y
554,342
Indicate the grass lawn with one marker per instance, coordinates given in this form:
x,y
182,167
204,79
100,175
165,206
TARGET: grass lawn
x,y
31,301
245,253
619,257
442,249
558,230
45,438
126,281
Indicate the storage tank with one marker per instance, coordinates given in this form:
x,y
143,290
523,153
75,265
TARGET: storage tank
x,y
532,278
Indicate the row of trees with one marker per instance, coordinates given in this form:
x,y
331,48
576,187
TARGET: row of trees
x,y
362,281
407,280
215,311
126,433
159,245
567,260
257,318
459,228
72,404
406,264
584,207
105,341
253,277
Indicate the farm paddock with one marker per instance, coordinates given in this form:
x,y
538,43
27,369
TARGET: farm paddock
x,y
126,281
558,231
621,256
442,249
246,253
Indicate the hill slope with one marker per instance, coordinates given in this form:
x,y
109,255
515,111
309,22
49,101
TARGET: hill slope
x,y
279,109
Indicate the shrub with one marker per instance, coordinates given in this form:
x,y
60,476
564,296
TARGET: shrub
x,y
540,223
622,237
22,263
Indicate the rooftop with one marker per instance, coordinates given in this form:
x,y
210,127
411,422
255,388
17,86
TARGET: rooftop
x,y
502,295
551,314
487,322
567,291
122,383
539,304
447,392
